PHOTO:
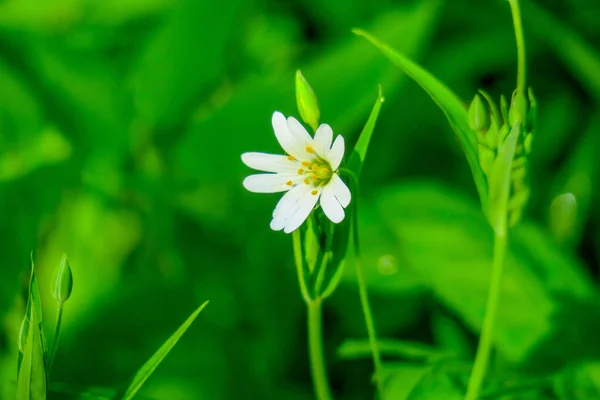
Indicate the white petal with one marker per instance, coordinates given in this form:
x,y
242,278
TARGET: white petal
x,y
287,206
336,153
269,183
286,139
299,131
331,206
340,190
270,162
306,203
323,138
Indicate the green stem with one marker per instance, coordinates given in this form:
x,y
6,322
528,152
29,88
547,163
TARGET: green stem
x,y
484,348
299,261
521,73
315,343
364,297
56,335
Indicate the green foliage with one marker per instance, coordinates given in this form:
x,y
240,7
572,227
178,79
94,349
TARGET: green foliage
x,y
121,127
148,368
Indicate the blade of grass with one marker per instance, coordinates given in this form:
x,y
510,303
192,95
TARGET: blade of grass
x,y
148,368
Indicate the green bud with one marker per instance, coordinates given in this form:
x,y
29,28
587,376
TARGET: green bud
x,y
479,118
23,332
63,281
518,108
307,102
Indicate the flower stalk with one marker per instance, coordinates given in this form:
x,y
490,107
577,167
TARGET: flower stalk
x,y
315,343
364,301
503,155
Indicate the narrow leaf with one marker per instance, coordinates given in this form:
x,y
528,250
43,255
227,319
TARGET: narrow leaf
x,y
31,383
360,150
361,348
449,103
148,368
500,181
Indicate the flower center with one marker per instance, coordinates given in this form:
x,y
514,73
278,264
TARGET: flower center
x,y
318,171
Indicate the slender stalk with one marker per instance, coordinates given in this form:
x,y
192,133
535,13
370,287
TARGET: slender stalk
x,y
364,298
521,72
56,335
484,348
317,360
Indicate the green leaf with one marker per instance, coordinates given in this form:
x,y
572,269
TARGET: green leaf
x,y
148,368
450,104
399,379
500,181
34,304
360,150
443,238
361,348
31,383
441,382
579,382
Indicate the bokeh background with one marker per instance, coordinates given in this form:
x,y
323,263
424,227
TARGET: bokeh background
x,y
121,128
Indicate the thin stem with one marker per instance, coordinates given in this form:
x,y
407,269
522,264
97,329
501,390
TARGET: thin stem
x,y
364,297
521,73
59,312
484,348
317,360
299,261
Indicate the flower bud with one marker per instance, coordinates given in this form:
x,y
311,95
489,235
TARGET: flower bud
x,y
479,118
518,108
307,102
63,281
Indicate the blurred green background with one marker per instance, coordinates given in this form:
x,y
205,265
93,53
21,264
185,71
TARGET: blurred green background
x,y
121,128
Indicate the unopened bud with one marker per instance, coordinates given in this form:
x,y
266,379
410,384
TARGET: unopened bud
x,y
518,108
308,106
63,281
479,118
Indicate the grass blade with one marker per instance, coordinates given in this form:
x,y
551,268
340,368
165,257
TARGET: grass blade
x,y
148,368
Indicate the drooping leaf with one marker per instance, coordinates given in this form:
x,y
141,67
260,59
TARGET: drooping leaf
x,y
148,368
450,104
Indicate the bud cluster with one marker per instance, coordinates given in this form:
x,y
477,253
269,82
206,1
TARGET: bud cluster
x,y
493,125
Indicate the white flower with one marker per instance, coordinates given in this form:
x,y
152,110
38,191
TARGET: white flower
x,y
308,173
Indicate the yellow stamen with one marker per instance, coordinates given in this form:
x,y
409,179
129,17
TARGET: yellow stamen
x,y
290,158
315,167
306,181
314,192
289,183
306,163
313,177
300,171
310,150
